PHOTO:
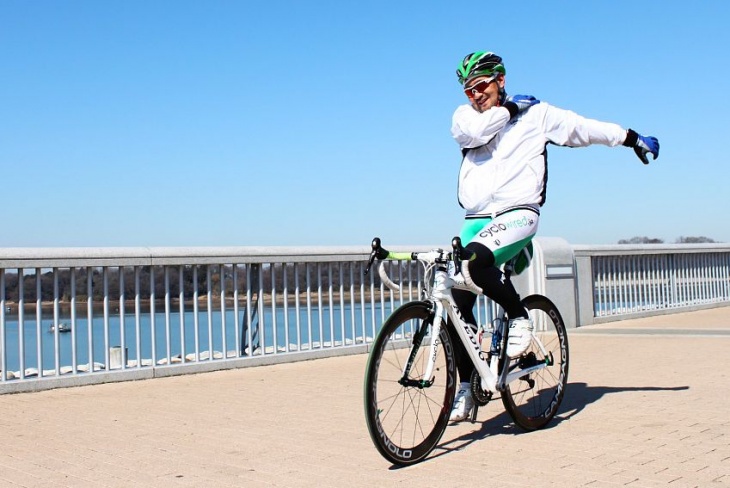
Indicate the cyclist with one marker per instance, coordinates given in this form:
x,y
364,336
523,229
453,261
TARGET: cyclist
x,y
502,183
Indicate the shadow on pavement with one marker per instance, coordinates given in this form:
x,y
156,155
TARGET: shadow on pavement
x,y
577,397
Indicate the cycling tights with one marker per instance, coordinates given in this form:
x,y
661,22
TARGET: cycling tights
x,y
495,241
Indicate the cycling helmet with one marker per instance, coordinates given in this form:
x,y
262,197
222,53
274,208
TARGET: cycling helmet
x,y
480,63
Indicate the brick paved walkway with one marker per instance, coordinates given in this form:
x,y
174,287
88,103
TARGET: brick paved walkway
x,y
642,410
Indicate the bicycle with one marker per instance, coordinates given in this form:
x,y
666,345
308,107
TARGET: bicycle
x,y
411,380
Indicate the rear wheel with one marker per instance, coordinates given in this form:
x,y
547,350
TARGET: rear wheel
x,y
407,415
533,400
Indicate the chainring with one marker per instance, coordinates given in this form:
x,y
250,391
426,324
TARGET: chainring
x,y
481,397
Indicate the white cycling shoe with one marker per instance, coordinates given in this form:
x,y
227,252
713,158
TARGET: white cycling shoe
x,y
463,404
520,336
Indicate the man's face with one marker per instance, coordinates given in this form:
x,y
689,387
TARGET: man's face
x,y
483,91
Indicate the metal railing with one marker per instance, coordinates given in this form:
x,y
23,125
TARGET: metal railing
x,y
78,316
632,280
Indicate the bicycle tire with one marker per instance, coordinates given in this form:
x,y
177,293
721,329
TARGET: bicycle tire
x,y
406,421
533,400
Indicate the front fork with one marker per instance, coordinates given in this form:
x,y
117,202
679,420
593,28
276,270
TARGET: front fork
x,y
434,322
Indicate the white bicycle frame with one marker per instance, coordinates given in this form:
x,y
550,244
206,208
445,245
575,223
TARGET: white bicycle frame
x,y
443,301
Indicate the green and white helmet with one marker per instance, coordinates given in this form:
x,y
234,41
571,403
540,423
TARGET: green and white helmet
x,y
480,63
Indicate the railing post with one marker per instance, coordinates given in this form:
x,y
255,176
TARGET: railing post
x,y
585,290
3,362
671,268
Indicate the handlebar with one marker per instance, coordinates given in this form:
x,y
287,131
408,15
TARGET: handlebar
x,y
378,252
461,255
458,255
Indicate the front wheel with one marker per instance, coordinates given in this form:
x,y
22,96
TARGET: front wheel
x,y
533,399
408,413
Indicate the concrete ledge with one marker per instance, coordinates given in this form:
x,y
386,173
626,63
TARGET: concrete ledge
x,y
252,361
149,372
651,313
40,384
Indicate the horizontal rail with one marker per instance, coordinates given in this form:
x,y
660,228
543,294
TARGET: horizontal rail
x,y
151,256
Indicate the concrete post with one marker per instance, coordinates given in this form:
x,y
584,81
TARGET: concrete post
x,y
116,357
584,290
552,273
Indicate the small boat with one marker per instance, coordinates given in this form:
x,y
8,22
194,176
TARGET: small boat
x,y
61,327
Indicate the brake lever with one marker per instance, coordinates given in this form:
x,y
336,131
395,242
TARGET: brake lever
x,y
459,255
456,254
377,252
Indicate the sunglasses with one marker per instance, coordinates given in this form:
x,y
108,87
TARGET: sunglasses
x,y
479,87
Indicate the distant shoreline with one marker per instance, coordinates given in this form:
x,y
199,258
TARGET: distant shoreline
x,y
129,305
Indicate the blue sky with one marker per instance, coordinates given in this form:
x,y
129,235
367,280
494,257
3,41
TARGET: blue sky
x,y
283,123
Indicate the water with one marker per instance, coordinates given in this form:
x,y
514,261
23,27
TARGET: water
x,y
216,333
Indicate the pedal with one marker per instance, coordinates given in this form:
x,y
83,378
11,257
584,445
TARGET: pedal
x,y
528,361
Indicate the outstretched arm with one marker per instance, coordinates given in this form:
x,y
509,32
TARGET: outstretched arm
x,y
567,128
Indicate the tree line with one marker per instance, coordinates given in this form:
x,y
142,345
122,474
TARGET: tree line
x,y
680,240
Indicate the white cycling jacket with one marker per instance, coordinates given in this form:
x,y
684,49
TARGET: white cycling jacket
x,y
506,162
